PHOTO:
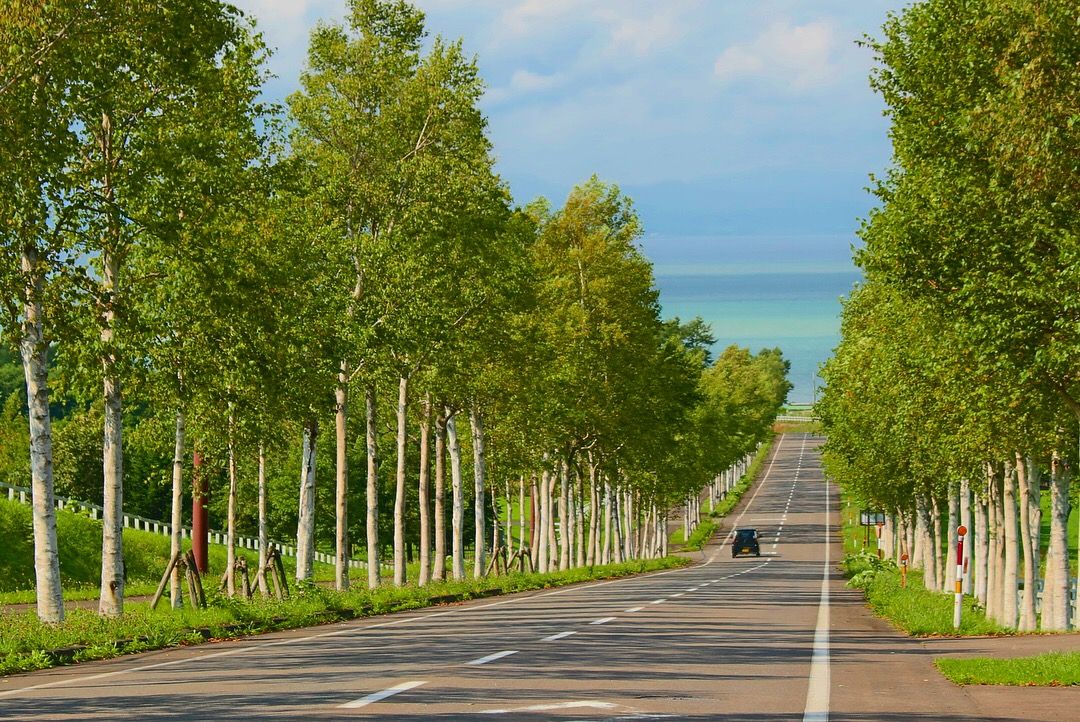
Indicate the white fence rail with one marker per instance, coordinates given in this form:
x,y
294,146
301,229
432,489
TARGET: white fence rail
x,y
133,521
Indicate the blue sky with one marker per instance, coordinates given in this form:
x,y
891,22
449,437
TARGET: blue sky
x,y
720,117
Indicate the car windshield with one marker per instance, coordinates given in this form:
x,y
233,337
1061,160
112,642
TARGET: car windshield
x,y
745,535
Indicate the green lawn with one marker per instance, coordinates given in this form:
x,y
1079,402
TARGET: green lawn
x,y
1045,670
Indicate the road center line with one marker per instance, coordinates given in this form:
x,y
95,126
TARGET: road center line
x,y
556,637
379,696
817,692
658,601
491,657
631,610
605,620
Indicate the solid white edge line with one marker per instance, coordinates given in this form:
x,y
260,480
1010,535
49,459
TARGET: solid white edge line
x,y
491,657
381,695
819,687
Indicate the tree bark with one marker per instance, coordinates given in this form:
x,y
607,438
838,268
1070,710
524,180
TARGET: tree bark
x,y
545,512
264,539
965,521
564,515
34,351
1056,589
1009,578
438,563
1027,618
458,513
341,495
176,537
924,530
953,524
305,527
111,603
594,516
399,478
982,548
476,421
422,496
230,521
579,517
371,438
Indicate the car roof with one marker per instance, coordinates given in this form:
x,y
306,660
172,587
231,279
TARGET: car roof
x,y
745,530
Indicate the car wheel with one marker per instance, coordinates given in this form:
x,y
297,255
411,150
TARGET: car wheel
x,y
757,553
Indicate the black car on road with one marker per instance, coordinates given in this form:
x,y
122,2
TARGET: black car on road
x,y
745,542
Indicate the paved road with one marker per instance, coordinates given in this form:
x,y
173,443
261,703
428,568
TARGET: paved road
x,y
742,639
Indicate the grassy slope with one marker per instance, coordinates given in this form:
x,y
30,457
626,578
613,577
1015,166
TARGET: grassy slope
x,y
79,539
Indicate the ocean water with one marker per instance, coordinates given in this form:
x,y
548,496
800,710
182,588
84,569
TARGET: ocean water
x,y
795,307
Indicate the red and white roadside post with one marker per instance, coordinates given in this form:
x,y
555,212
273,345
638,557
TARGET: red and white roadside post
x,y
958,600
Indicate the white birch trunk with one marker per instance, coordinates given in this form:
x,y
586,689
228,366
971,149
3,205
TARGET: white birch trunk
x,y
422,493
605,548
564,516
549,531
399,482
264,539
111,603
372,494
341,472
521,514
476,422
594,517
925,530
616,525
965,521
305,527
982,548
1056,590
438,563
953,522
458,513
176,537
534,522
1027,619
34,351
230,520
938,543
579,517
1009,580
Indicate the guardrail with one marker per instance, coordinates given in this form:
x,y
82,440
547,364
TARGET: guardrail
x,y
795,419
133,521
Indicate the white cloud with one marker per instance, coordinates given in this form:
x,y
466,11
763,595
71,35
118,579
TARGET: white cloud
x,y
796,56
524,82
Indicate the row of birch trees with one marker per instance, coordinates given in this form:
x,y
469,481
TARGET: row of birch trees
x,y
952,399
249,276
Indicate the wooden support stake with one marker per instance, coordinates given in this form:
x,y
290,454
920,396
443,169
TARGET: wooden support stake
x,y
245,580
165,580
198,595
280,567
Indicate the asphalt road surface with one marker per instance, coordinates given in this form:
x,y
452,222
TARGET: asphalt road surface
x,y
733,639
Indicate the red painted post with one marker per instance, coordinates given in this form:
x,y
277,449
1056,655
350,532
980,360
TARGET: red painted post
x,y
200,514
958,596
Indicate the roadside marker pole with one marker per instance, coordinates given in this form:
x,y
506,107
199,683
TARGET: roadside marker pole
x,y
959,595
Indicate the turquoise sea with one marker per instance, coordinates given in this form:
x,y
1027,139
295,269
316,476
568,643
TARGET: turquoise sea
x,y
769,293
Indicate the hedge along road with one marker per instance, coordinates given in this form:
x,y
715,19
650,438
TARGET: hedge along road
x,y
742,638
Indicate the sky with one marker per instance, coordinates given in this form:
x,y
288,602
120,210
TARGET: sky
x,y
744,130
719,117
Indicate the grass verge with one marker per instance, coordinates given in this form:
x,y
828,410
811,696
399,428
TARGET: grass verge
x,y
1053,669
26,644
912,609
